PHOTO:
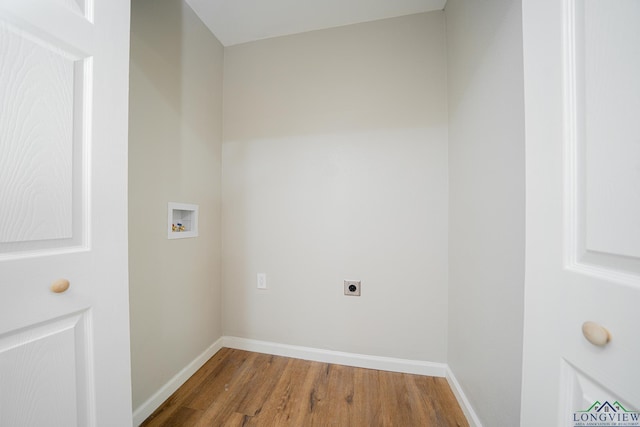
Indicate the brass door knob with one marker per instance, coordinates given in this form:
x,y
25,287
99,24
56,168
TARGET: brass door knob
x,y
59,286
596,334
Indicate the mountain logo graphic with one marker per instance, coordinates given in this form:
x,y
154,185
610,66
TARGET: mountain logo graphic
x,y
604,414
606,407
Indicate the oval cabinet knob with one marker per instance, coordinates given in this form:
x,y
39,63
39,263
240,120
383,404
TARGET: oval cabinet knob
x,y
59,286
596,334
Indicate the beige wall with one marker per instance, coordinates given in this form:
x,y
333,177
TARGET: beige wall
x,y
335,167
486,208
175,138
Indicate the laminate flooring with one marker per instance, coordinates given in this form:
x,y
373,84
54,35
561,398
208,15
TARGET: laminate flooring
x,y
241,388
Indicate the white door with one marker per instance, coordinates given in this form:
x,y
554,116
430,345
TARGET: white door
x,y
64,357
582,110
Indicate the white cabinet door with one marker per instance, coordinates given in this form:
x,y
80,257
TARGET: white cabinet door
x,y
64,357
582,109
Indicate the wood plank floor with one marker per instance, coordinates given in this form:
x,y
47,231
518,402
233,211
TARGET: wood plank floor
x,y
240,388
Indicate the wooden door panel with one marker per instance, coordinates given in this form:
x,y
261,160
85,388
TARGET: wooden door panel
x,y
584,400
44,375
45,92
36,130
602,160
610,42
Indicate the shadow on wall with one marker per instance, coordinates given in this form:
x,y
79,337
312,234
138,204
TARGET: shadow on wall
x,y
155,67
362,77
471,56
154,99
175,135
165,50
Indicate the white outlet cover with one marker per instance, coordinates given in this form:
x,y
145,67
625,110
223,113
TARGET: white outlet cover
x,y
349,283
262,281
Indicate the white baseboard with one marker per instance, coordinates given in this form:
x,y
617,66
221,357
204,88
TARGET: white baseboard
x,y
467,409
329,356
143,411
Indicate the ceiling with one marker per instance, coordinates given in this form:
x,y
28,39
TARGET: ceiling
x,y
240,21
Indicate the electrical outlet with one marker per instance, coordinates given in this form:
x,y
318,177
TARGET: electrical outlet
x,y
352,287
262,281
